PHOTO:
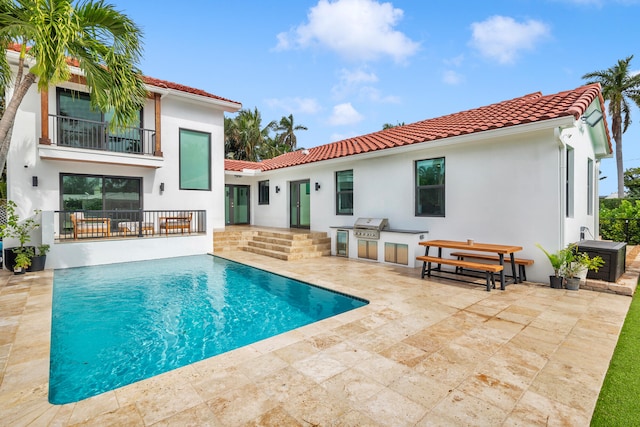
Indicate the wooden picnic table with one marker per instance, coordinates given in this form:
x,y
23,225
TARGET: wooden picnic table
x,y
500,250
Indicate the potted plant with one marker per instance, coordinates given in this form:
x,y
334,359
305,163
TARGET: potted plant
x,y
577,262
557,260
17,229
22,260
40,258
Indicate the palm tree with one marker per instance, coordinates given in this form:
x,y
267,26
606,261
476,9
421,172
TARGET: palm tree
x,y
288,129
230,138
1,100
271,148
618,88
386,126
103,42
244,135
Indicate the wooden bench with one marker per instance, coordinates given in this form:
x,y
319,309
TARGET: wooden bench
x,y
520,262
91,226
127,227
489,269
179,222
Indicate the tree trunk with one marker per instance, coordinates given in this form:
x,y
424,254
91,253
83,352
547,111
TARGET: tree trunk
x,y
616,129
9,116
620,166
4,149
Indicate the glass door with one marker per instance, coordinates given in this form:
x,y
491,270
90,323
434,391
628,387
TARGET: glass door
x,y
300,204
236,204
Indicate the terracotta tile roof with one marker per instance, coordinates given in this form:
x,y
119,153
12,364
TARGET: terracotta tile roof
x,y
151,81
240,165
531,108
182,88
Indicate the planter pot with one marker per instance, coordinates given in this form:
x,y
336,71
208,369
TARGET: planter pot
x,y
556,281
10,257
18,270
572,283
37,263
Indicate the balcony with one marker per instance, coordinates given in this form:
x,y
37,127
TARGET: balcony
x,y
121,224
90,141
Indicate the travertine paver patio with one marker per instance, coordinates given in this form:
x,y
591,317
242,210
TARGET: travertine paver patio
x,y
421,353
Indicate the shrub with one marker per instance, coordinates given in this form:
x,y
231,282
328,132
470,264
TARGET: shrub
x,y
620,220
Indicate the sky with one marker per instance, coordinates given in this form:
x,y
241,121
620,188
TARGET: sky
x,y
346,67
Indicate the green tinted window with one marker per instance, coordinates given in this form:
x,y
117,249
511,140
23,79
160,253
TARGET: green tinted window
x,y
263,192
195,160
344,192
96,192
430,187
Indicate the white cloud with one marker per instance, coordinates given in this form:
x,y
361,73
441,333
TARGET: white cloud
x,y
372,94
283,42
350,80
451,77
360,82
502,38
344,114
355,29
295,105
357,76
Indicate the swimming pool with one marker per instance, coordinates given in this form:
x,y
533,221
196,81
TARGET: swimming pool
x,y
116,324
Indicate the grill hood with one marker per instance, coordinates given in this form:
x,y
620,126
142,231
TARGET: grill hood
x,y
371,223
369,228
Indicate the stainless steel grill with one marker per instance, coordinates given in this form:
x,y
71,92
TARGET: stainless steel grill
x,y
369,228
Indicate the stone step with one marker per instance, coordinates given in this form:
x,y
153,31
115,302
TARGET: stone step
x,y
284,256
293,235
309,247
267,252
281,244
276,240
231,240
289,242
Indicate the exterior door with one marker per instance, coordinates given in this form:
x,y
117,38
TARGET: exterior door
x,y
300,204
236,209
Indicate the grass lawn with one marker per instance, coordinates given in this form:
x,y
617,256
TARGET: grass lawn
x,y
619,400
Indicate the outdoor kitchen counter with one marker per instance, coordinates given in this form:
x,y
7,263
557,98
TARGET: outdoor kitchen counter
x,y
386,230
389,245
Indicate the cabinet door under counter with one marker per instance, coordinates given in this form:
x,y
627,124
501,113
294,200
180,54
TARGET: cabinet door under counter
x,y
398,247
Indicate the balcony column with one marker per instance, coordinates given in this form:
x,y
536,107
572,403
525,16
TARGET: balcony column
x,y
44,118
157,151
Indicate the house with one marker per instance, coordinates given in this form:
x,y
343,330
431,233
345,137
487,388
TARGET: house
x,y
103,192
521,172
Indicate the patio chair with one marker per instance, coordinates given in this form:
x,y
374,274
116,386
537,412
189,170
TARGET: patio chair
x,y
91,227
132,227
180,222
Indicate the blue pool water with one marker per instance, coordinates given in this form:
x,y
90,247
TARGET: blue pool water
x,y
117,324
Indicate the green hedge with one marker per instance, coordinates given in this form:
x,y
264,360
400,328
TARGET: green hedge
x,y
620,220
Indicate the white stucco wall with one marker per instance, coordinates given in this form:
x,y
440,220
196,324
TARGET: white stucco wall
x,y
504,187
24,162
577,140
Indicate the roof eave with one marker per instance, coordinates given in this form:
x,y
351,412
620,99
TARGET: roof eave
x,y
244,172
227,106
